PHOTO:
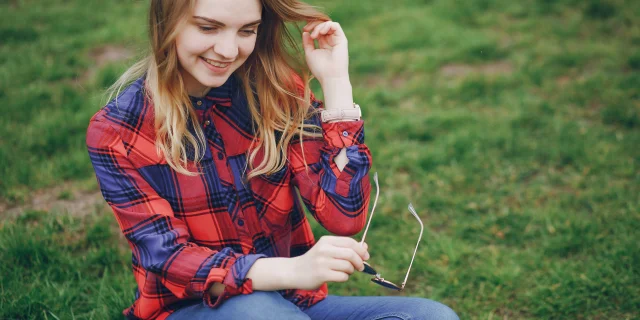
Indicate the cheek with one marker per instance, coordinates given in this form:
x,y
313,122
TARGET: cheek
x,y
183,52
189,46
247,47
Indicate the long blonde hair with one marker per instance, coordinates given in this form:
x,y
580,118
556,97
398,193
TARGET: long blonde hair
x,y
269,74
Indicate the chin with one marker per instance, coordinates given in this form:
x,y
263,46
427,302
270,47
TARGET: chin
x,y
214,81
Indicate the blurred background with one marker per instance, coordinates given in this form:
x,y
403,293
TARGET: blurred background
x,y
512,126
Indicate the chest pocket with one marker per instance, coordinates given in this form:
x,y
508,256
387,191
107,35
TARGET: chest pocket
x,y
187,194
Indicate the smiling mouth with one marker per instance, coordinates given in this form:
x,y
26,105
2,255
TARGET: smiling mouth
x,y
216,64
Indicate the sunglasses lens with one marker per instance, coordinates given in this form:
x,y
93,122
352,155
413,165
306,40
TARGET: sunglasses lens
x,y
369,270
386,284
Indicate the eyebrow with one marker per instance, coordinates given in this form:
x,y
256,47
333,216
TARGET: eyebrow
x,y
250,24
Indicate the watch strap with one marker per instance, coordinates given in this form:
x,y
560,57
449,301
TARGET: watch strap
x,y
342,114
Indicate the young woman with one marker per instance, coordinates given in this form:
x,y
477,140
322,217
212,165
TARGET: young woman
x,y
208,151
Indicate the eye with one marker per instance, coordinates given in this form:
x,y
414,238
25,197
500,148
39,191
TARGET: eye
x,y
248,32
207,28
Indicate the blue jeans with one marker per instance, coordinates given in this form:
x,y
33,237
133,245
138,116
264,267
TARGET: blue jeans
x,y
271,305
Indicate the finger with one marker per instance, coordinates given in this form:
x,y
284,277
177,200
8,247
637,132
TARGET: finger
x,y
330,35
326,42
316,31
361,251
337,29
366,247
327,26
324,38
351,243
348,255
323,42
307,42
333,29
344,242
311,24
342,266
337,276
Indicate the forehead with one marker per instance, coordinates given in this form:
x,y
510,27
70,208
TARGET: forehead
x,y
229,12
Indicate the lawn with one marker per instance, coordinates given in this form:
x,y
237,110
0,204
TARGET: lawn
x,y
512,126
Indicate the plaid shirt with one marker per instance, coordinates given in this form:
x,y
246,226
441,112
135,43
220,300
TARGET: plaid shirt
x,y
187,232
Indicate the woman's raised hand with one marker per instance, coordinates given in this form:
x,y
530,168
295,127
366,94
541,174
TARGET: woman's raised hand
x,y
331,259
331,59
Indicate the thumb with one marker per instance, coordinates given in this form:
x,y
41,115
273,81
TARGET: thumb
x,y
307,43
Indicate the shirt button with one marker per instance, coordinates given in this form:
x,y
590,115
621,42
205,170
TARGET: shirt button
x,y
199,102
206,123
220,155
345,133
240,222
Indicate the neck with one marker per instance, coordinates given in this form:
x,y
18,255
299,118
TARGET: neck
x,y
194,87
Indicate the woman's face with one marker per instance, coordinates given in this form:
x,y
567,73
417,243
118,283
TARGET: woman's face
x,y
217,39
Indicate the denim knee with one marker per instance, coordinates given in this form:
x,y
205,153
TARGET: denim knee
x,y
266,305
425,309
260,305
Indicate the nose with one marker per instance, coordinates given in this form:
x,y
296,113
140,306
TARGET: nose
x,y
226,46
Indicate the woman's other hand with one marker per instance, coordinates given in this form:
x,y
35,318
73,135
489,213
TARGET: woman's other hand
x,y
330,61
332,259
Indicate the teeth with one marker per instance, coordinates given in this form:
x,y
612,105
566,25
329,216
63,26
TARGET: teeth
x,y
213,63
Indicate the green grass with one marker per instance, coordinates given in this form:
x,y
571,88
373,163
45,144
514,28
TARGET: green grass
x,y
56,265
524,166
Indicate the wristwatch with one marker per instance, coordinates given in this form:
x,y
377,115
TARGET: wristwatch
x,y
342,114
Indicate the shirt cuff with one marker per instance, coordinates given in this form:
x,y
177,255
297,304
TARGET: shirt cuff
x,y
234,278
343,134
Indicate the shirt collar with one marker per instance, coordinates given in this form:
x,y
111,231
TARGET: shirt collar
x,y
219,95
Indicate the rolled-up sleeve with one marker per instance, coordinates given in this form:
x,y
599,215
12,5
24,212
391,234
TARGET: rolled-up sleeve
x,y
163,252
337,199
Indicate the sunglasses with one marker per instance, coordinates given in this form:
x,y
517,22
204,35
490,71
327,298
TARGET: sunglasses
x,y
367,267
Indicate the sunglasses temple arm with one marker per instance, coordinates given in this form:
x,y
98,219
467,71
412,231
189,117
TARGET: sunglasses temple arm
x,y
375,179
413,212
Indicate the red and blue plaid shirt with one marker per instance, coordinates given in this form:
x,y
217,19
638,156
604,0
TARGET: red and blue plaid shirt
x,y
187,232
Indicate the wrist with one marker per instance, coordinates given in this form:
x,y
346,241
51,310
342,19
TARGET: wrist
x,y
275,273
338,93
288,273
335,81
